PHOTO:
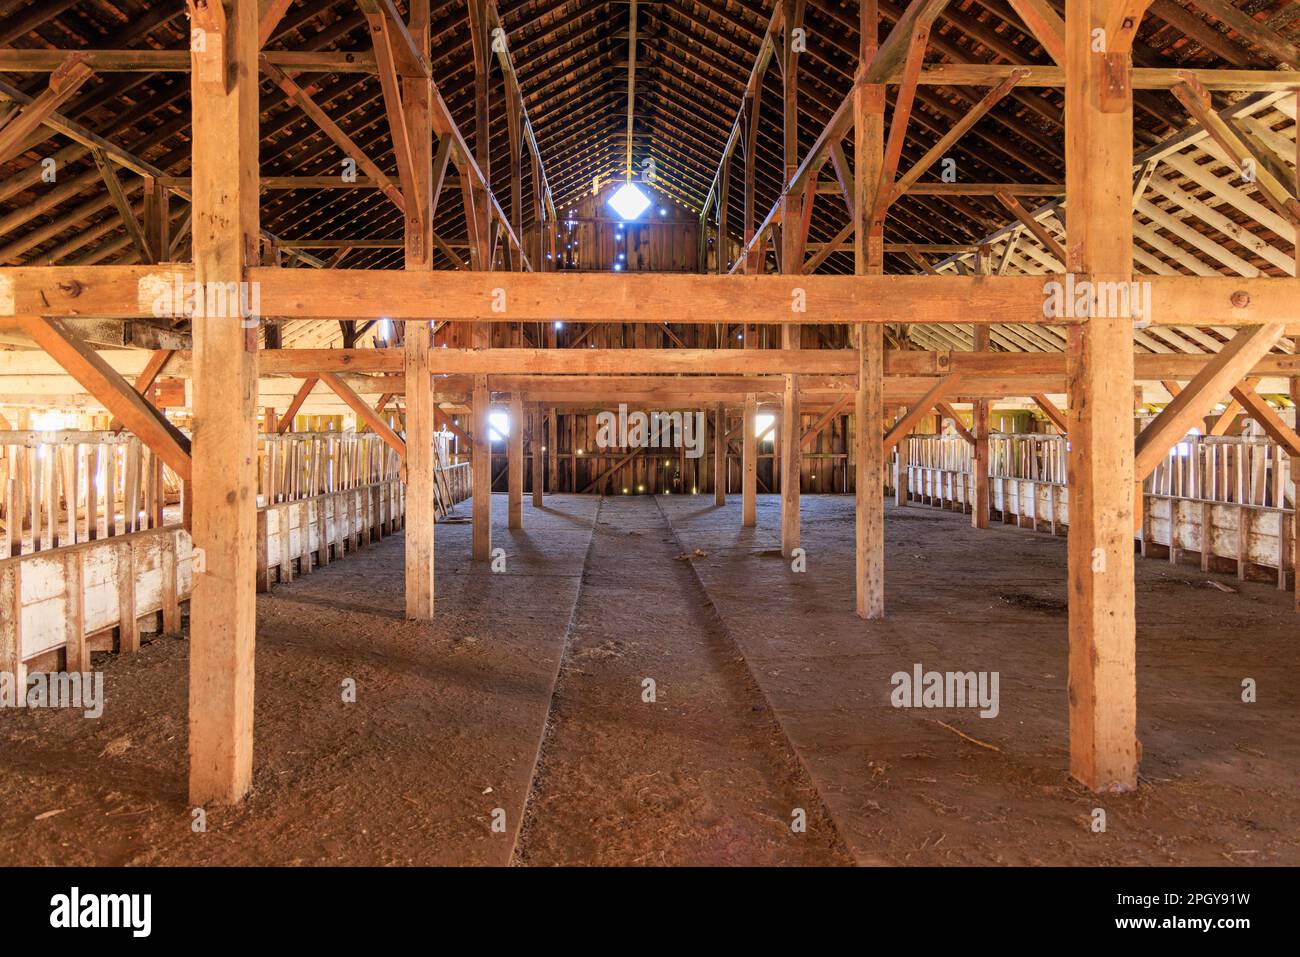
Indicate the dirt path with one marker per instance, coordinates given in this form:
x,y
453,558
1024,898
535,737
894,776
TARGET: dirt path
x,y
700,775
1218,775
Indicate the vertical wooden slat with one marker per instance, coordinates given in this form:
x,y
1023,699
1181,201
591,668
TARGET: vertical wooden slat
x,y
11,623
128,626
75,655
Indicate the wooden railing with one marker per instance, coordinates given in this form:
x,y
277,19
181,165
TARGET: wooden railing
x,y
298,465
62,488
101,585
1232,500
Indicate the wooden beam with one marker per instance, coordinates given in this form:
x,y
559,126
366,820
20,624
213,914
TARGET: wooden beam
x,y
1054,415
1102,628
954,133
113,392
286,422
1207,389
1279,194
123,206
66,79
1254,31
121,292
223,611
824,420
1045,25
272,12
951,414
332,130
364,412
1269,420
145,380
1122,27
945,386
1038,230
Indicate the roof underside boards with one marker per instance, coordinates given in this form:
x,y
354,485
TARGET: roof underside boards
x,y
1195,216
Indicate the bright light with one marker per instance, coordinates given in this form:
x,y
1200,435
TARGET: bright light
x,y
500,424
762,422
618,267
629,202
385,329
52,421
663,212
559,325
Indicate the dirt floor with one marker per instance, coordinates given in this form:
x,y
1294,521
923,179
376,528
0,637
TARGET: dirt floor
x,y
516,730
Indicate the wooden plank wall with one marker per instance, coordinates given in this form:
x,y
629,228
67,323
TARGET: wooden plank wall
x,y
101,595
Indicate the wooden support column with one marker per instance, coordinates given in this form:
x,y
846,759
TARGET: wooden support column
x,y
869,259
481,510
791,458
791,262
981,492
553,451
421,511
1295,400
515,463
537,455
749,468
1102,626
223,611
902,481
720,455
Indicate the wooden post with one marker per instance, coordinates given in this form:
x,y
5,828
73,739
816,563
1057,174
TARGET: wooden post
x,y
790,463
903,480
981,493
869,407
537,455
1295,400
515,463
481,509
749,454
553,452
419,469
418,464
11,623
720,455
223,610
791,262
1102,627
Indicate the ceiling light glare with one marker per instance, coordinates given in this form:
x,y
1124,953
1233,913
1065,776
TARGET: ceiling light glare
x,y
629,202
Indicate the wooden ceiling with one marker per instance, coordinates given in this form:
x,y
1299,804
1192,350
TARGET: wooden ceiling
x,y
693,61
